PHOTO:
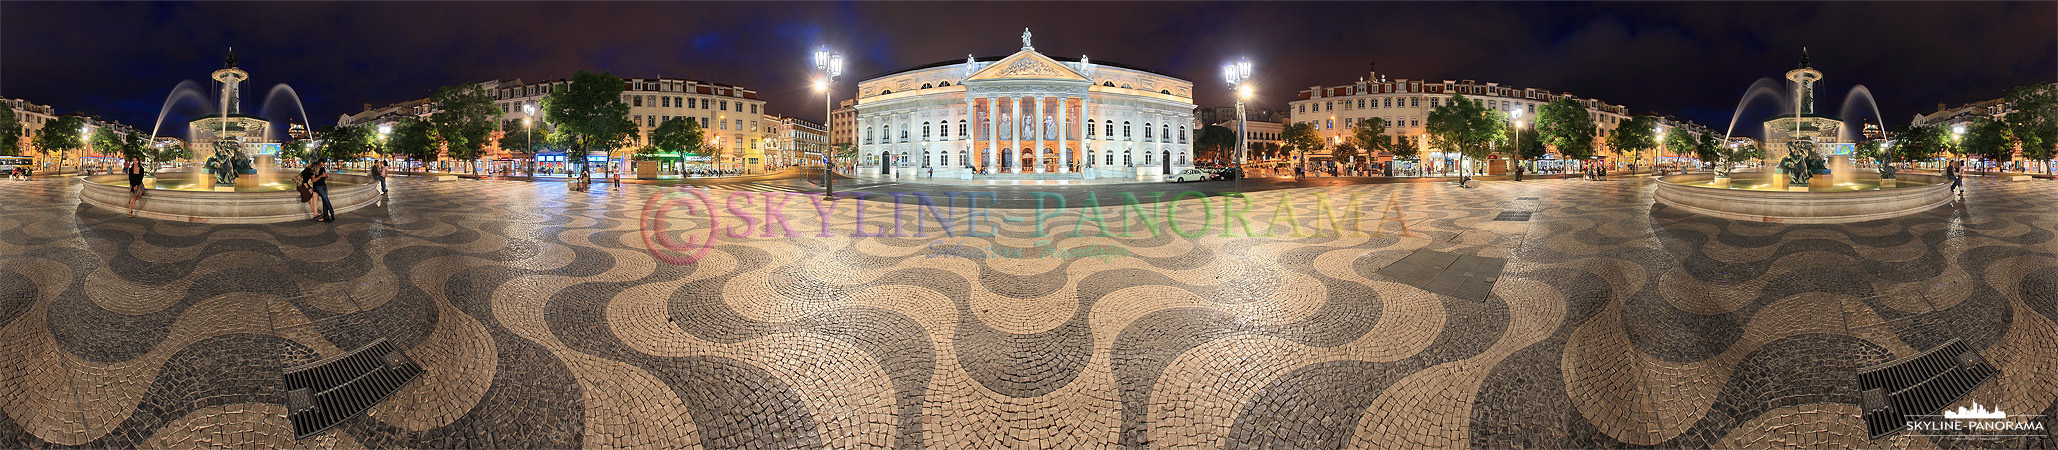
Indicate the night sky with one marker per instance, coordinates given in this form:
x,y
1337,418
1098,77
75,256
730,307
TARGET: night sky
x,y
1694,60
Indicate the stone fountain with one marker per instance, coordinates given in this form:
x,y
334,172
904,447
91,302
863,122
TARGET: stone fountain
x,y
229,187
1805,186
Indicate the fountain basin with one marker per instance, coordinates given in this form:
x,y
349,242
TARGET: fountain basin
x,y
1865,200
270,204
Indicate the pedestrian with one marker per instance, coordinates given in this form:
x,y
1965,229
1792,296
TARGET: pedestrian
x,y
618,180
1518,172
379,173
1955,171
135,171
585,177
318,179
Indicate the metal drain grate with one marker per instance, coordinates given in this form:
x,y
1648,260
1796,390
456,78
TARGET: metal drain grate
x,y
1918,386
323,393
1513,216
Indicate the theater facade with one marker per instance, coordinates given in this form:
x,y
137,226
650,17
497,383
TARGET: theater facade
x,y
1024,116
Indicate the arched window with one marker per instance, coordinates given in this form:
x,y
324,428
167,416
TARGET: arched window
x,y
943,84
943,129
1146,131
927,85
985,124
884,92
1125,85
1182,135
1166,92
1111,156
961,131
868,135
1111,131
1090,125
925,131
1125,134
887,135
962,160
1165,133
903,135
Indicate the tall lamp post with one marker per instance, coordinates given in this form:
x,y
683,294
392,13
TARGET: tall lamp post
x,y
1238,75
1515,157
86,135
831,65
384,129
1658,131
529,111
1958,131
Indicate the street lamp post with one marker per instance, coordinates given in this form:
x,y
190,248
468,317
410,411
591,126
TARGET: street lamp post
x,y
1958,131
530,111
1515,157
1238,76
831,65
1660,132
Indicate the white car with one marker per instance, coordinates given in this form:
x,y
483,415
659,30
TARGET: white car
x,y
1187,175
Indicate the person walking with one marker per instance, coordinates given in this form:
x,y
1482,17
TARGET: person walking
x,y
135,170
318,179
617,175
1955,171
379,173
1518,172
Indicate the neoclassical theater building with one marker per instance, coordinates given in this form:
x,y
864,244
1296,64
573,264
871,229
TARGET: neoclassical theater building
x,y
1024,116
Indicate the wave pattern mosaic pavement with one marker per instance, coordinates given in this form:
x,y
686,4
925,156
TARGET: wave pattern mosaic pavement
x,y
544,321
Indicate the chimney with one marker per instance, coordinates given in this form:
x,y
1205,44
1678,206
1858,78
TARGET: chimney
x,y
1940,106
367,107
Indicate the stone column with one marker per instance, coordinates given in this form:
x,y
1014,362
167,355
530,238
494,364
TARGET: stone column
x,y
1064,136
1015,133
970,127
1038,153
992,134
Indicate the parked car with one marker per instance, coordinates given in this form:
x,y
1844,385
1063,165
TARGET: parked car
x,y
1187,175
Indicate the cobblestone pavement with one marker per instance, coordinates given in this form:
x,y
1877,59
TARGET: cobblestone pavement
x,y
555,319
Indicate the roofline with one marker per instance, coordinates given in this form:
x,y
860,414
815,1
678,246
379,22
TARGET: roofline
x,y
1070,59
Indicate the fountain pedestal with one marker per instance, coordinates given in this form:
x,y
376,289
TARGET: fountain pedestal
x,y
1820,182
1720,182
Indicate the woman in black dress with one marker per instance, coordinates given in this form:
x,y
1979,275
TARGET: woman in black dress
x,y
135,171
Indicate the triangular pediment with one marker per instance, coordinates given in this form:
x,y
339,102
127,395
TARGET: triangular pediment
x,y
1027,64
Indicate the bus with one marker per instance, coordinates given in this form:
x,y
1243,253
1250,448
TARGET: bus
x,y
8,163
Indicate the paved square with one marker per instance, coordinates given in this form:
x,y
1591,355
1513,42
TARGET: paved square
x,y
544,320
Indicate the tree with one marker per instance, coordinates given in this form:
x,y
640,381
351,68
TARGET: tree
x,y
61,136
464,120
1566,125
341,142
105,141
1987,138
1634,136
2034,123
1529,144
588,114
1301,138
1681,143
1371,134
678,135
414,138
844,153
1345,152
516,137
10,131
1726,157
170,152
133,146
1217,139
1405,148
1917,143
1466,126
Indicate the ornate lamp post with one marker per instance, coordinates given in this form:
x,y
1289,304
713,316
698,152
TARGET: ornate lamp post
x,y
530,111
1238,75
831,65
1515,157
